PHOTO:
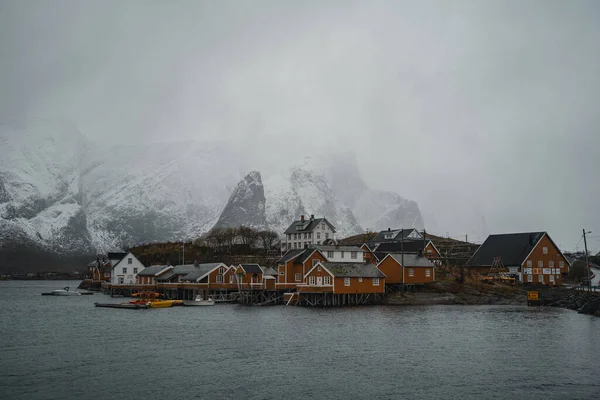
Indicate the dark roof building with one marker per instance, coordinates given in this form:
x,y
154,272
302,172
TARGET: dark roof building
x,y
512,248
353,270
396,235
307,225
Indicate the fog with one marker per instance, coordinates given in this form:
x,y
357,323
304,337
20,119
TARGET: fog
x,y
473,109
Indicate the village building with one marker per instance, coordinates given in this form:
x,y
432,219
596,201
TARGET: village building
x,y
294,264
148,276
253,276
532,257
334,253
368,254
417,270
307,231
101,268
125,271
395,235
425,248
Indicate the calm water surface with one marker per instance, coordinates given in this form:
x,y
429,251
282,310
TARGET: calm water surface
x,y
64,347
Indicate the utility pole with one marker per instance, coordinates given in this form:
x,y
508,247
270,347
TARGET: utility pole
x,y
402,256
183,252
587,264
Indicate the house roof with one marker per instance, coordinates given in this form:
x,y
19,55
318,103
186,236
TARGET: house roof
x,y
412,260
116,255
200,271
353,270
177,270
305,255
512,248
269,271
154,270
252,268
397,235
308,225
410,246
290,255
122,258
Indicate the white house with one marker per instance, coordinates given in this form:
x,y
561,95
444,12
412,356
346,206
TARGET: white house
x,y
305,232
125,271
347,254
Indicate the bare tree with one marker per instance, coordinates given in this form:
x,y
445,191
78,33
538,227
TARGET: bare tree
x,y
217,238
247,235
268,239
230,235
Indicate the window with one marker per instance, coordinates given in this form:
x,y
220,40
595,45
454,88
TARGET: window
x,y
360,279
541,278
411,272
551,277
298,277
106,274
282,273
330,254
222,270
319,268
322,227
318,235
124,270
545,250
327,280
427,272
551,264
353,255
342,254
315,261
289,236
295,245
326,235
130,260
529,278
311,280
219,278
529,263
346,281
428,251
375,281
561,264
231,278
135,270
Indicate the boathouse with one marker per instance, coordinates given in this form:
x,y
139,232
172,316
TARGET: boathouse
x,y
148,275
125,271
425,248
418,270
294,264
532,257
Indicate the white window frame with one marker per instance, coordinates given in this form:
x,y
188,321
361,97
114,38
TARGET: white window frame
x,y
326,235
540,278
135,270
411,272
561,264
428,273
540,264
529,263
329,254
130,260
551,264
341,254
318,235
106,274
222,270
327,280
298,277
530,278
375,281
312,280
346,281
354,255
125,270
551,278
231,278
429,251
545,250
360,278
219,279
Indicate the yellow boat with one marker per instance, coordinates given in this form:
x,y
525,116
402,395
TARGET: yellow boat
x,y
163,303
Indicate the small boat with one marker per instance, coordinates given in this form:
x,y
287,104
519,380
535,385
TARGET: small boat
x,y
163,303
127,306
62,292
199,301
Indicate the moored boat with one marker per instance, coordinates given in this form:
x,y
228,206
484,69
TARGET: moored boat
x,y
62,292
199,301
163,303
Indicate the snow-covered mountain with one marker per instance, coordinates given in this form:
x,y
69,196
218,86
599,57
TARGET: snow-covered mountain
x,y
61,193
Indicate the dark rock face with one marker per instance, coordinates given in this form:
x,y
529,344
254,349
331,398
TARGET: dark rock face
x,y
246,205
4,196
581,301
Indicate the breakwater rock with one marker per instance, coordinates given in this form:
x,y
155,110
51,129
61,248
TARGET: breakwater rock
x,y
581,301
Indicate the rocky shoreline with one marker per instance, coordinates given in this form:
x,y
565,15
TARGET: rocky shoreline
x,y
580,301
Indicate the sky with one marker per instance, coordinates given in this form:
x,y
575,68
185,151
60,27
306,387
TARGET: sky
x,y
484,112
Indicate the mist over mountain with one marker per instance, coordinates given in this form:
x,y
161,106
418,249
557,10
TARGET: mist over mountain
x,y
63,194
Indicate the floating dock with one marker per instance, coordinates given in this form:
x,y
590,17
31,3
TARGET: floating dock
x,y
128,306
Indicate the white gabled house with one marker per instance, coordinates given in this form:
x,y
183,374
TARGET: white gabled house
x,y
126,270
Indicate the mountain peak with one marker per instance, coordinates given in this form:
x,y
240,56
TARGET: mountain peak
x,y
246,205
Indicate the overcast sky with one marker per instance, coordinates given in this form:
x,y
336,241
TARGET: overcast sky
x,y
473,108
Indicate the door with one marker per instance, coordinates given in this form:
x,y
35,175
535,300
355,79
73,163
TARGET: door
x,y
319,281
